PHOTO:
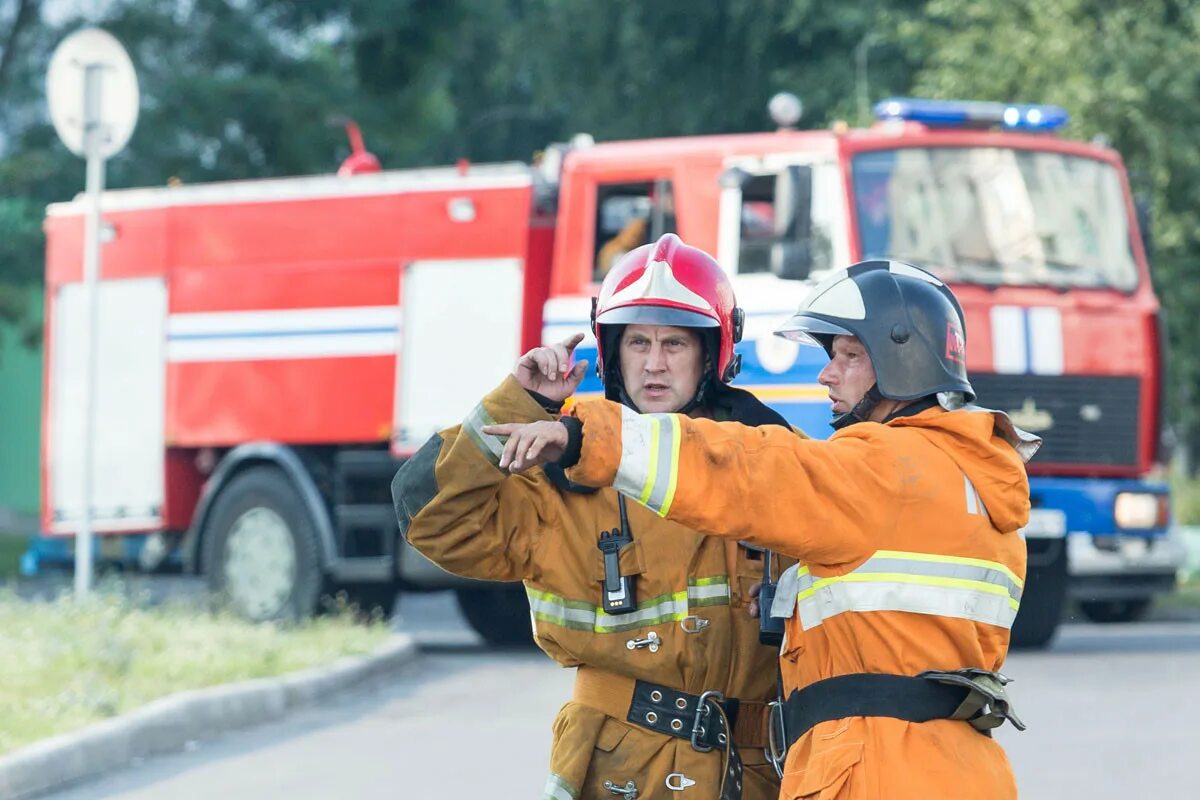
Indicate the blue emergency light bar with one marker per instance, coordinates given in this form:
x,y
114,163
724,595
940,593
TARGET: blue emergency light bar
x,y
972,113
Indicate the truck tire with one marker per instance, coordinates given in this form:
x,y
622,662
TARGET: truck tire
x,y
1105,611
261,554
499,614
1042,602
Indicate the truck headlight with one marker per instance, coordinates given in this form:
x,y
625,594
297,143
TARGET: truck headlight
x,y
1141,510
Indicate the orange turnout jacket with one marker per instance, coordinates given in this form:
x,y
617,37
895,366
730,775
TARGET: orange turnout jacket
x,y
690,630
907,533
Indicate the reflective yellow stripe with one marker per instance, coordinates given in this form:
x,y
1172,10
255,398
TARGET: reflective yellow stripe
x,y
920,583
971,562
676,438
587,616
492,447
652,461
649,467
901,577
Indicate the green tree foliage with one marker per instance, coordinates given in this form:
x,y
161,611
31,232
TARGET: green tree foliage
x,y
253,88
1128,73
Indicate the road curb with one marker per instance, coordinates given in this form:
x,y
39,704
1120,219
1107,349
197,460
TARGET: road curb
x,y
170,723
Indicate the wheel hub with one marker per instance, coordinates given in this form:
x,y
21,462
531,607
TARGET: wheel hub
x,y
260,563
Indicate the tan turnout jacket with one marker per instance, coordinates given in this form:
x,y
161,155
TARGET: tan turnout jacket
x,y
459,509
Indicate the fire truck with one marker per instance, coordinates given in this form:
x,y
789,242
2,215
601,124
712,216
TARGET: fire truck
x,y
269,351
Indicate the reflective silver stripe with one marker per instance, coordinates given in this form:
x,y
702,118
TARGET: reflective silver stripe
x,y
649,457
894,580
567,613
658,494
584,616
974,499
558,789
785,592
491,446
708,592
636,432
917,598
940,569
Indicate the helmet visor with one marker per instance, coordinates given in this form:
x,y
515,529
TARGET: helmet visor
x,y
656,315
804,329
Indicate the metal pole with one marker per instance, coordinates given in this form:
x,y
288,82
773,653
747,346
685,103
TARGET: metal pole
x,y
93,141
860,77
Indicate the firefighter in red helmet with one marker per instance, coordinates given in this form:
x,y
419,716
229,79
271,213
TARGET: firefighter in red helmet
x,y
672,681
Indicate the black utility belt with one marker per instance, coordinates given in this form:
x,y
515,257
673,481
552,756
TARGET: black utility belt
x,y
974,696
684,716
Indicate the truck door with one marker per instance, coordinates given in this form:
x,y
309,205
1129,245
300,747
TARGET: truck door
x,y
781,223
461,336
128,433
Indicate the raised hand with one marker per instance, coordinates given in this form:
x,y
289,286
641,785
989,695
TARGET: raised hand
x,y
529,444
547,370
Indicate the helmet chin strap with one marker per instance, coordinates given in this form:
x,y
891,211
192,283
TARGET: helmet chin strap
x,y
861,411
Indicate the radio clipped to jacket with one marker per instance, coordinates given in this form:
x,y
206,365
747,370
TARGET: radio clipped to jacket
x,y
619,592
770,629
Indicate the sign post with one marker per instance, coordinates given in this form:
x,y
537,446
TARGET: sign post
x,y
92,91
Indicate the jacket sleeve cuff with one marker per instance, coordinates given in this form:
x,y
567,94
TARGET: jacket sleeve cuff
x,y
600,442
552,407
570,456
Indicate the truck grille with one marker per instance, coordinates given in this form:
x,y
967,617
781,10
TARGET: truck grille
x,y
1083,419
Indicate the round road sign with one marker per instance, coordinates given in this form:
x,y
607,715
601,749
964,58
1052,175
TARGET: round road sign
x,y
92,89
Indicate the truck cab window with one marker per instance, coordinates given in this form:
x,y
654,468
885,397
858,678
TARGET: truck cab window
x,y
629,215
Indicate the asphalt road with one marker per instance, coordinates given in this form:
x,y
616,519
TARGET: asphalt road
x,y
1111,712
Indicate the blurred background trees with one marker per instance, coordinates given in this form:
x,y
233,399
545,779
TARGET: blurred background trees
x,y
254,88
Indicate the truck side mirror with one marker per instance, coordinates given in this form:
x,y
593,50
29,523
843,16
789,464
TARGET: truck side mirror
x,y
733,178
792,253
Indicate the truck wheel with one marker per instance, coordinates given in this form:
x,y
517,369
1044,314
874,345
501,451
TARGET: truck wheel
x,y
499,614
1116,610
261,551
1042,602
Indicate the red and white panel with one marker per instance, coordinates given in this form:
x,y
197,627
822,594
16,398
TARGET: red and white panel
x,y
127,454
462,335
1027,340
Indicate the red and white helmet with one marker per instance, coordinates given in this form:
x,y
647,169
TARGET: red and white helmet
x,y
670,283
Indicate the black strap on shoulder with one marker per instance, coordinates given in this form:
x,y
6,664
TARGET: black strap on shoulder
x,y
869,695
738,405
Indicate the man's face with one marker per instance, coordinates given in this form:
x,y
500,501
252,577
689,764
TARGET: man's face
x,y
848,375
661,366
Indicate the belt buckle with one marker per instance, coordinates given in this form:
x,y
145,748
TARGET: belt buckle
x,y
776,749
702,712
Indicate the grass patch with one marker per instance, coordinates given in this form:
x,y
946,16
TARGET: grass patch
x,y
67,665
12,547
1185,498
1186,595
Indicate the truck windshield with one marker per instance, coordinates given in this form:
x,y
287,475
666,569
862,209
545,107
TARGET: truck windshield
x,y
996,216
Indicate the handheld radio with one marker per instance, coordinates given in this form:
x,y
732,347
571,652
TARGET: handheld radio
x,y
619,590
770,629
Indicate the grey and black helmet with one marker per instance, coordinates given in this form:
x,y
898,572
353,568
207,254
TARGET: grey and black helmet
x,y
909,322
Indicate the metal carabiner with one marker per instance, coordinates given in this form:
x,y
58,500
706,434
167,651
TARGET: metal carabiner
x,y
693,624
776,749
